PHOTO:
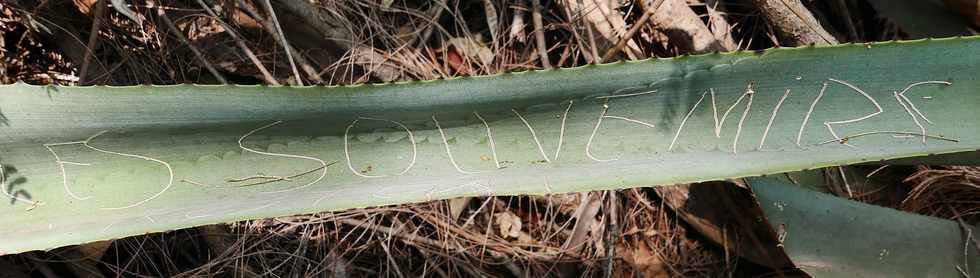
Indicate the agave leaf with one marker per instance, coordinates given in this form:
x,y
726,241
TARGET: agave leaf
x,y
958,159
828,236
94,163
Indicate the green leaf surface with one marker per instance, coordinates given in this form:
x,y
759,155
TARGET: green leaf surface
x,y
828,236
94,163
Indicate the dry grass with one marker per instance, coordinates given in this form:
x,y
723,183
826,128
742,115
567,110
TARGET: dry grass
x,y
424,240
949,192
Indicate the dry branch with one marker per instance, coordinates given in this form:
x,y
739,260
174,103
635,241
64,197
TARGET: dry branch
x,y
183,39
632,31
93,39
682,26
63,31
793,23
241,44
539,33
283,41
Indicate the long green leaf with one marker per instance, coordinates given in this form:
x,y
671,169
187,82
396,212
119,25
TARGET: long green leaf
x,y
92,163
828,236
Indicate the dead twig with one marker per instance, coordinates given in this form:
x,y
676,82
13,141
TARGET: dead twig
x,y
592,55
612,231
311,73
606,19
539,33
631,32
434,13
283,41
183,39
93,39
241,44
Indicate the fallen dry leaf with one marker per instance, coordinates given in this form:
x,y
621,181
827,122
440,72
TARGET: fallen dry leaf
x,y
643,260
457,205
509,224
584,218
472,49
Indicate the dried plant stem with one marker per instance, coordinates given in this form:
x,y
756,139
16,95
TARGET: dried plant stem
x,y
93,39
311,73
183,39
629,34
241,44
283,41
434,13
612,231
539,33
